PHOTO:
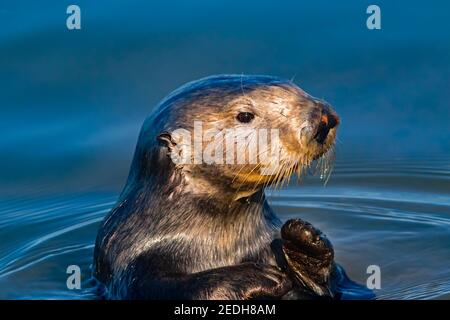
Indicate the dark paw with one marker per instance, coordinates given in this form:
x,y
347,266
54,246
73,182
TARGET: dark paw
x,y
309,255
269,283
248,281
307,239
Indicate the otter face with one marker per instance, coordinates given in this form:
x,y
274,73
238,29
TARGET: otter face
x,y
245,131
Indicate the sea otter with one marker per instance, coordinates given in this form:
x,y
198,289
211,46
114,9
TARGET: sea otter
x,y
196,230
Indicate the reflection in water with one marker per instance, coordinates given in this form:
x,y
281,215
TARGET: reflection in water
x,y
369,219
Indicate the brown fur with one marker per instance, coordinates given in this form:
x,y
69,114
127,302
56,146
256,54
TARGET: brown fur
x,y
202,230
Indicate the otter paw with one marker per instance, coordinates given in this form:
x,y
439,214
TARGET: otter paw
x,y
309,255
267,282
307,239
249,281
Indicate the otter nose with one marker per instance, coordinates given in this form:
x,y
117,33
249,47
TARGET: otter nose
x,y
327,122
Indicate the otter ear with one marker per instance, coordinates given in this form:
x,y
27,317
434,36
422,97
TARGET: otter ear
x,y
166,139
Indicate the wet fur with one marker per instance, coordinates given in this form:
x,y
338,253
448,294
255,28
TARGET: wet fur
x,y
175,232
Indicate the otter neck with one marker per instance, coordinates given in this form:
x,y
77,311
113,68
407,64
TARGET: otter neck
x,y
192,196
164,181
231,231
227,231
210,196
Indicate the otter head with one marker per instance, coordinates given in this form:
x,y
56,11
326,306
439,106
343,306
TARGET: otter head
x,y
236,134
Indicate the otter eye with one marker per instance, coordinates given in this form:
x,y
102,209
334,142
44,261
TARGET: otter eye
x,y
245,117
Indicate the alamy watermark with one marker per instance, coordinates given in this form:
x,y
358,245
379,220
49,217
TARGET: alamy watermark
x,y
260,147
374,20
73,21
74,279
374,280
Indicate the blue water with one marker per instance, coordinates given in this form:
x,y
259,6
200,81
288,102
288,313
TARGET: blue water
x,y
72,103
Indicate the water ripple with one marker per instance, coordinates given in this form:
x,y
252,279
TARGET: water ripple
x,y
393,214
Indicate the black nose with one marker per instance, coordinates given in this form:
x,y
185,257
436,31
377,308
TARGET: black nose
x,y
327,122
